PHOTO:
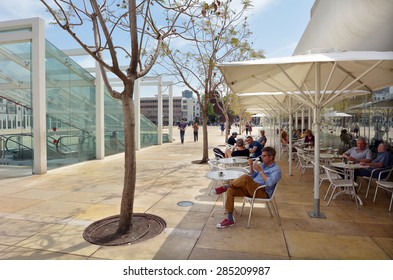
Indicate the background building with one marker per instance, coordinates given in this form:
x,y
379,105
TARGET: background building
x,y
185,108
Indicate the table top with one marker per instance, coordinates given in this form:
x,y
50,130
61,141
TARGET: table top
x,y
349,165
226,174
312,149
233,160
326,155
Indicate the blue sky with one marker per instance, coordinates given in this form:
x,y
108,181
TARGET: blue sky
x,y
277,25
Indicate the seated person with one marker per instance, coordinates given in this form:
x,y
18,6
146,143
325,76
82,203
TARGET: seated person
x,y
238,150
383,160
298,134
232,138
360,153
254,147
262,139
284,138
294,134
268,174
309,138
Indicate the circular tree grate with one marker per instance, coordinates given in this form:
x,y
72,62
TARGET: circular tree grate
x,y
144,227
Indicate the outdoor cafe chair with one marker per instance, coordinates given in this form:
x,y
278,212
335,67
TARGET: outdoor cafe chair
x,y
385,185
213,165
251,200
345,185
304,164
374,175
323,176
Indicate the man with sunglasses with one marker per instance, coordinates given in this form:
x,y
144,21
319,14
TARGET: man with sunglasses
x,y
268,174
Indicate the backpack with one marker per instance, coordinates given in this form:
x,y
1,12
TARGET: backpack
x,y
218,153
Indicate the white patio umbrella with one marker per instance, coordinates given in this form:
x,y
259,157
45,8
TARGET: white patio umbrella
x,y
380,107
308,78
337,115
258,115
274,104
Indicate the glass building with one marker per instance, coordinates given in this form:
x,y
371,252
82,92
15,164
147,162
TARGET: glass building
x,y
53,112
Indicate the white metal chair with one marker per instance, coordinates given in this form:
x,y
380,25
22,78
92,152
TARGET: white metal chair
x,y
385,185
345,185
304,164
375,171
271,200
213,164
284,148
301,152
323,176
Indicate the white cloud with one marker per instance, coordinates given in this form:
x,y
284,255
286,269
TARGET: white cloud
x,y
258,5
20,9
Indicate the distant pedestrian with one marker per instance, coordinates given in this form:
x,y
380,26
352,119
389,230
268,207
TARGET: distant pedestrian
x,y
248,128
182,127
222,127
195,128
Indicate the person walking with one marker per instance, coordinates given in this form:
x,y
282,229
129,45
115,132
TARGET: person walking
x,y
195,128
182,127
247,128
222,127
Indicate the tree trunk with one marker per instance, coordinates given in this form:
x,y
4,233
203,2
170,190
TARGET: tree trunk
x,y
227,132
127,202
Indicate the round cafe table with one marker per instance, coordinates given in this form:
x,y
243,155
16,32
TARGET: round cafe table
x,y
233,161
312,149
224,175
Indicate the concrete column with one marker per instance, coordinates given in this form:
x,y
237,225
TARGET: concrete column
x,y
39,95
160,111
170,111
100,111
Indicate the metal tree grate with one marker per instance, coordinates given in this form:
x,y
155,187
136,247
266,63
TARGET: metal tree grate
x,y
144,227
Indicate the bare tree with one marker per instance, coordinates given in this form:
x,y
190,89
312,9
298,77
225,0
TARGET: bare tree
x,y
111,31
217,34
239,110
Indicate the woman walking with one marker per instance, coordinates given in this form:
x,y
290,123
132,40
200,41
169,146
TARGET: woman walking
x,y
195,127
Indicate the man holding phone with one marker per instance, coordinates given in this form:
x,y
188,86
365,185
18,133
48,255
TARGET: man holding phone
x,y
268,173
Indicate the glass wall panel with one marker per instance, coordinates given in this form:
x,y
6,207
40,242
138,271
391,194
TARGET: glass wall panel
x,y
114,128
71,104
70,115
16,143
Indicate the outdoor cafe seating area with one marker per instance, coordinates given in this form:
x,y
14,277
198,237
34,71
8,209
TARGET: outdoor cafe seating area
x,y
333,169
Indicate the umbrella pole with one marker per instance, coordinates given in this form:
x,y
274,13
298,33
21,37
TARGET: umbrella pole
x,y
317,122
290,135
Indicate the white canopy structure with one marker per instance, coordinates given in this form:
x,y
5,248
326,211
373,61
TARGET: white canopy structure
x,y
315,80
337,114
